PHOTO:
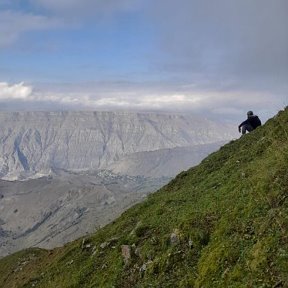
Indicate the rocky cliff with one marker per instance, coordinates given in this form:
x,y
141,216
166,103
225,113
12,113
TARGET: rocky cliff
x,y
35,142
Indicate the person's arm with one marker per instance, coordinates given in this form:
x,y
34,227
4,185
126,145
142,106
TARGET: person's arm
x,y
243,123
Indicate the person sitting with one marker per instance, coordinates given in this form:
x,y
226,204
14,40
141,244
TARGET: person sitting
x,y
250,124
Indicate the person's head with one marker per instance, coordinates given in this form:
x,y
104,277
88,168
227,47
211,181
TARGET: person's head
x,y
250,114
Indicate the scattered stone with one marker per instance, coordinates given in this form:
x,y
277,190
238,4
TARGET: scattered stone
x,y
154,240
143,268
113,240
104,245
137,252
70,262
247,236
109,242
24,262
126,253
94,250
104,266
83,243
175,237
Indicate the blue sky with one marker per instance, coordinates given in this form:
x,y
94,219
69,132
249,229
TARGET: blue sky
x,y
80,50
217,58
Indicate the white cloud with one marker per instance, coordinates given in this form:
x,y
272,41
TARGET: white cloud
x,y
13,24
15,91
109,96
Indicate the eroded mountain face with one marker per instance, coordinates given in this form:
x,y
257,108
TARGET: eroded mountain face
x,y
35,142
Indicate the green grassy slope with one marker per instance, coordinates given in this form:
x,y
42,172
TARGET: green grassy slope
x,y
223,223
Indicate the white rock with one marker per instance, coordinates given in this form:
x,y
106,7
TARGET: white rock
x,y
35,142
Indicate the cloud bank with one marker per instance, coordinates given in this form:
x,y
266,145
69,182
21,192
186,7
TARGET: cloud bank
x,y
139,97
246,39
15,91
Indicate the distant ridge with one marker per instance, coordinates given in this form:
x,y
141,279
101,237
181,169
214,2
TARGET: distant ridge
x,y
36,142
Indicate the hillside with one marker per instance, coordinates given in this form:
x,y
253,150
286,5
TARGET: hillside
x,y
221,224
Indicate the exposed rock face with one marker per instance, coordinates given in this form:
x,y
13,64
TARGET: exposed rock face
x,y
35,142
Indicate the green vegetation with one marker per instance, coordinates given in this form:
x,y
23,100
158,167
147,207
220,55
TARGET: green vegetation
x,y
223,223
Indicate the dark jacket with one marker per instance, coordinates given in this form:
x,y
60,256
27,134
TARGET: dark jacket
x,y
253,121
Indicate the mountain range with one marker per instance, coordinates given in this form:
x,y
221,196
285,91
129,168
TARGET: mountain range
x,y
65,174
33,143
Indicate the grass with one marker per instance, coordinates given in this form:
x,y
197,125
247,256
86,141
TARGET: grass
x,y
229,215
